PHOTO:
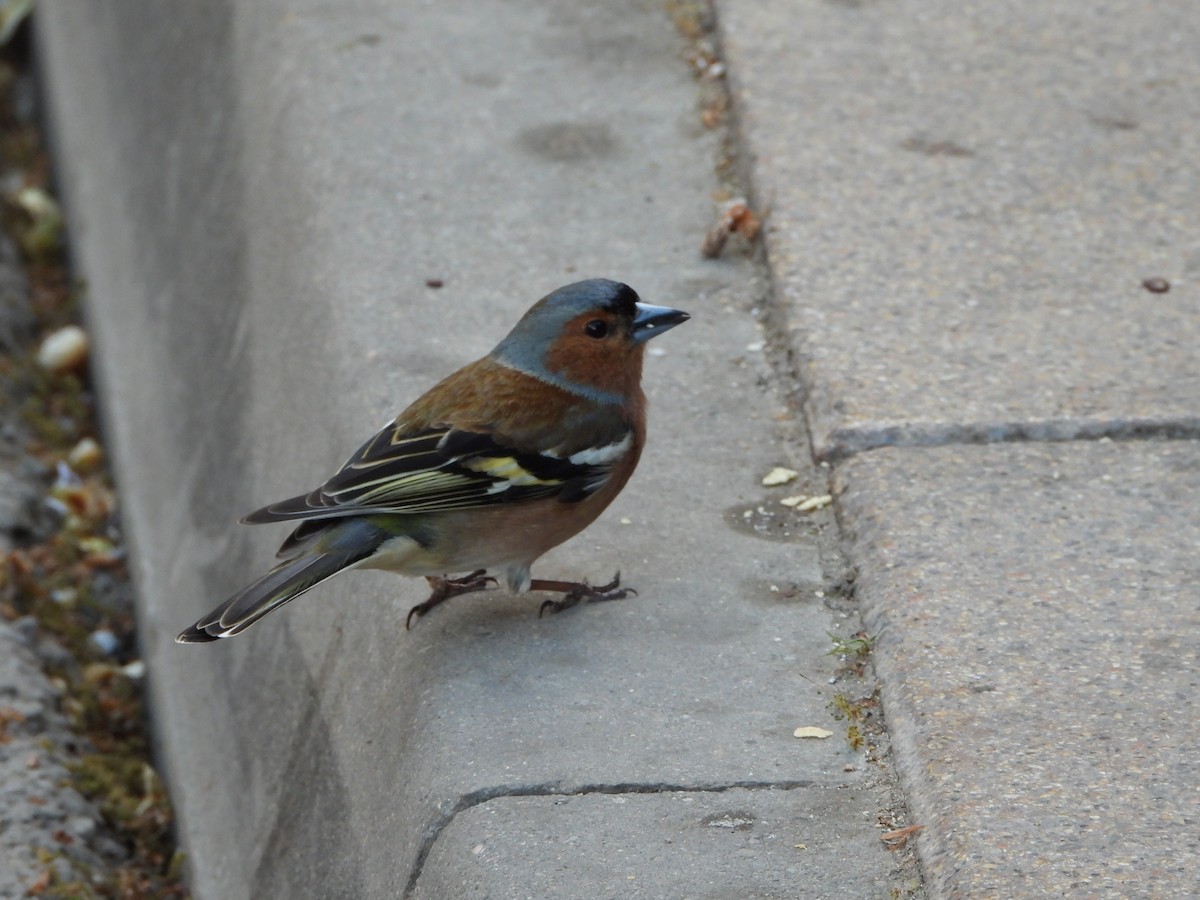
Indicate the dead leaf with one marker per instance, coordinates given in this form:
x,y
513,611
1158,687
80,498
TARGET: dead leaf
x,y
40,884
898,838
737,218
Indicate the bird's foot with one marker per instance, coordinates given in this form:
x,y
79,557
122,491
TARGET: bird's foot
x,y
444,588
575,592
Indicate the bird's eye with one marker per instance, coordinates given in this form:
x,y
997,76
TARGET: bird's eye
x,y
597,328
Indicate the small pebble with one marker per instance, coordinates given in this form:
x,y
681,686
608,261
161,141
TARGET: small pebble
x,y
54,655
64,350
135,670
65,477
36,202
104,641
85,455
110,849
81,827
26,629
57,507
64,596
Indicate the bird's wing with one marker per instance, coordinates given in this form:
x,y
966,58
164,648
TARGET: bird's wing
x,y
445,468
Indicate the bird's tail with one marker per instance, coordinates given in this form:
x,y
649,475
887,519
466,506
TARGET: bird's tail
x,y
285,582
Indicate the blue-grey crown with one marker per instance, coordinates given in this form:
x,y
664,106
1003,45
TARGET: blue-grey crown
x,y
524,346
545,319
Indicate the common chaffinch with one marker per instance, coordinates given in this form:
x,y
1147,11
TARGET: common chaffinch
x,y
508,457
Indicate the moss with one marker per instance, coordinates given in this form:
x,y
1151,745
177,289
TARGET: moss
x,y
692,19
126,787
56,409
854,737
854,652
859,714
845,708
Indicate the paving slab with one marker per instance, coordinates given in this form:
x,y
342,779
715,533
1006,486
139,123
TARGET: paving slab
x,y
965,200
1037,611
258,195
804,841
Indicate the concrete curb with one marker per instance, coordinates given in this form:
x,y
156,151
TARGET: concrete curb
x,y
258,193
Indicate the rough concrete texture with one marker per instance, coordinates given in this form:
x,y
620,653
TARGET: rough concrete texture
x,y
965,201
258,193
1036,608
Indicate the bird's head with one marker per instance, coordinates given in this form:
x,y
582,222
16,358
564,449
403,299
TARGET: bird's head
x,y
587,338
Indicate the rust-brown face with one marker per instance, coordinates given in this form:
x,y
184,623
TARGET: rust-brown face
x,y
597,349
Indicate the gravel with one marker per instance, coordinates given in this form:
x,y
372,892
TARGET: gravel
x,y
39,811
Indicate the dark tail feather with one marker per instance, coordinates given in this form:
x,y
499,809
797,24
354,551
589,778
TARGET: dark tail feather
x,y
285,582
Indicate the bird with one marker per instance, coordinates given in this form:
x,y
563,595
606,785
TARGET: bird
x,y
510,456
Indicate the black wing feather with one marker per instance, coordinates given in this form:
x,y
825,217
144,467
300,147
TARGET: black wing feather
x,y
440,469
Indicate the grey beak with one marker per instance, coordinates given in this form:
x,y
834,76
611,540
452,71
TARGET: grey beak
x,y
654,320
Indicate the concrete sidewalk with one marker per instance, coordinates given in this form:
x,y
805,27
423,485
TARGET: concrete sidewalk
x,y
965,203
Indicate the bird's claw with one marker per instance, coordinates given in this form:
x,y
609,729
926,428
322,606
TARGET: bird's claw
x,y
445,588
585,592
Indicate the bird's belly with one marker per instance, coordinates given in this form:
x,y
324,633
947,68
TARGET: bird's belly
x,y
456,553
497,538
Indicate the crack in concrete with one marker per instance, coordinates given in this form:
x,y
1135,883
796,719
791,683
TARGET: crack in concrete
x,y
842,443
551,789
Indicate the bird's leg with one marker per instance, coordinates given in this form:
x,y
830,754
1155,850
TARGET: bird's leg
x,y
575,591
444,588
